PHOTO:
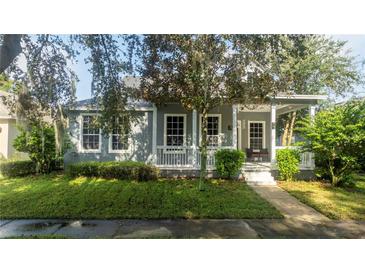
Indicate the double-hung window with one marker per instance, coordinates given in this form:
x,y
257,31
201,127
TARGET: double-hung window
x,y
119,138
175,129
214,129
90,133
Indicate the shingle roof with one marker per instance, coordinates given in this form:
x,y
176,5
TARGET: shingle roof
x,y
129,81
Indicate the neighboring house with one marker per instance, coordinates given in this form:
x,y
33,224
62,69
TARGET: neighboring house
x,y
8,131
169,136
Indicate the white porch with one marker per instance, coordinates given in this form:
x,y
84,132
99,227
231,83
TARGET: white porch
x,y
188,156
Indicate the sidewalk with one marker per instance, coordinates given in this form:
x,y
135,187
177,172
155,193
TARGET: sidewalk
x,y
289,206
183,229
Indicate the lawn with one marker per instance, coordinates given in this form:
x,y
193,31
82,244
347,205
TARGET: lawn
x,y
57,196
334,202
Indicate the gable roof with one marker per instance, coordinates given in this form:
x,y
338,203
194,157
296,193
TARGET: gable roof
x,y
134,82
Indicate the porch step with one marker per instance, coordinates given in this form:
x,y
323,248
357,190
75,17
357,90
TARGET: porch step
x,y
258,177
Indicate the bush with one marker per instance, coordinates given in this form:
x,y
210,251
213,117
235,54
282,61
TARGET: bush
x,y
39,142
114,170
229,161
288,163
337,138
17,168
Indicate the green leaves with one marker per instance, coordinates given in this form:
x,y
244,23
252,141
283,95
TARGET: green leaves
x,y
288,163
39,143
337,137
228,162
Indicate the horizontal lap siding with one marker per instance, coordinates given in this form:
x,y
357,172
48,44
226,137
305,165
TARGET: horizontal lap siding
x,y
244,117
141,138
172,109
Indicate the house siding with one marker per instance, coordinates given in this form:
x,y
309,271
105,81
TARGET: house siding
x,y
140,141
141,137
226,114
225,111
172,109
245,117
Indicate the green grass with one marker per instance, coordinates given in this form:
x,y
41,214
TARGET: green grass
x,y
58,196
334,202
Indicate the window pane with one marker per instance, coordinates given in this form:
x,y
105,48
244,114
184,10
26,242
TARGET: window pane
x,y
90,137
174,131
213,131
119,138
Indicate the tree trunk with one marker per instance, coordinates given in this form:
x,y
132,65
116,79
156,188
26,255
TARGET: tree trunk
x,y
291,128
285,134
9,50
59,126
203,149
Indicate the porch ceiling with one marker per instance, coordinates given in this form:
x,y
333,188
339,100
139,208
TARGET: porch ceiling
x,y
280,109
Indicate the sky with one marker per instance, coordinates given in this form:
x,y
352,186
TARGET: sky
x,y
355,43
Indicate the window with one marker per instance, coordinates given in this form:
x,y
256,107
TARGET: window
x,y
90,133
256,135
119,138
175,129
214,129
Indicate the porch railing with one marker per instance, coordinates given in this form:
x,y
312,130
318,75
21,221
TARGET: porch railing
x,y
188,157
306,158
184,156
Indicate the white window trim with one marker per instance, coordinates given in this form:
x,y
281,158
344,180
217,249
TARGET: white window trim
x,y
119,151
81,148
263,132
219,129
176,151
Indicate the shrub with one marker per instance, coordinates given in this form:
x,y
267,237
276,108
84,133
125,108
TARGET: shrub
x,y
337,138
288,163
17,168
114,170
229,161
39,142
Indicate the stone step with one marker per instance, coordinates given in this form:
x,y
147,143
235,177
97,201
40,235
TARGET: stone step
x,y
258,178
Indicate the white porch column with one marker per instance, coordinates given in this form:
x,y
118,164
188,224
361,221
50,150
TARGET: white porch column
x,y
154,135
234,126
194,138
273,132
312,112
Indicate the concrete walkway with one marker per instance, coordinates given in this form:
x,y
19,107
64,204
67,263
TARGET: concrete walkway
x,y
289,206
182,229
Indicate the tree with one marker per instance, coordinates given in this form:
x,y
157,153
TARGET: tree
x,y
9,49
205,71
46,85
39,142
48,82
110,57
313,64
337,137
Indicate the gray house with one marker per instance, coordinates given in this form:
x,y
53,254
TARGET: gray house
x,y
169,136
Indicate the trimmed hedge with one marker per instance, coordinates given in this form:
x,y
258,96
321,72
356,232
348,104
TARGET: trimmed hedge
x,y
288,163
17,168
228,162
114,170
